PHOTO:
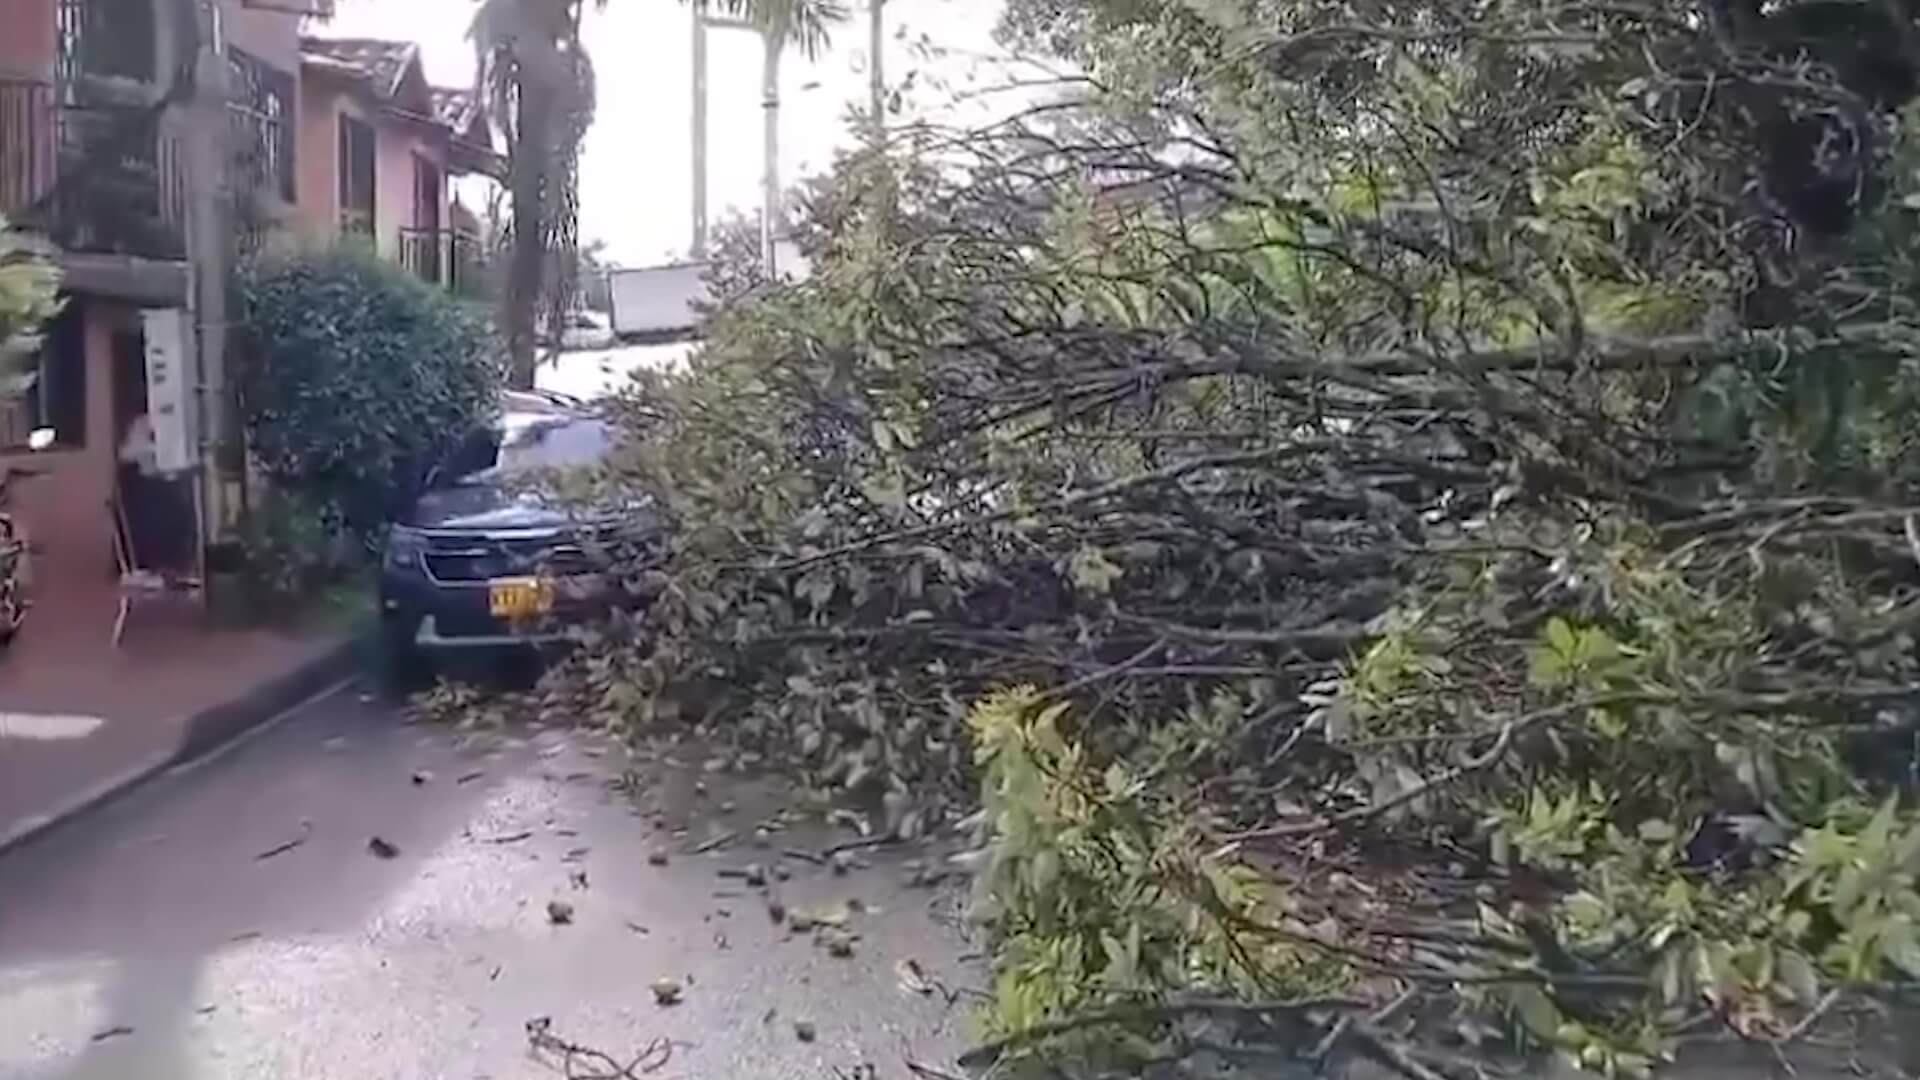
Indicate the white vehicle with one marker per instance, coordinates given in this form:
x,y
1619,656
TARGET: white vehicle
x,y
584,329
657,302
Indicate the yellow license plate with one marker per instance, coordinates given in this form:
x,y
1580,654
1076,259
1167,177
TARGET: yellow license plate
x,y
519,598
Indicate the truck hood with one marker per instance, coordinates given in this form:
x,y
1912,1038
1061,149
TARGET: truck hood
x,y
487,508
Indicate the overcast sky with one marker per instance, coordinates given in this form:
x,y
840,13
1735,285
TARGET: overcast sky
x,y
636,183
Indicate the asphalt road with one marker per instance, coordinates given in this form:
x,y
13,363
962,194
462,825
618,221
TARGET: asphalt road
x,y
159,939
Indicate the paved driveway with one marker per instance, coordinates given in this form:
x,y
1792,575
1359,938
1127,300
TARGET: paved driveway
x,y
159,939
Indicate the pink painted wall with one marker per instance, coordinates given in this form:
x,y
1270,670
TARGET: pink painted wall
x,y
396,141
27,38
271,36
397,144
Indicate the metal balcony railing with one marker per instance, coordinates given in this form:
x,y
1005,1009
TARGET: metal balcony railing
x,y
443,257
94,178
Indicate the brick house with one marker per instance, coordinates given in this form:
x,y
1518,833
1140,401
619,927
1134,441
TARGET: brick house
x,y
152,142
377,148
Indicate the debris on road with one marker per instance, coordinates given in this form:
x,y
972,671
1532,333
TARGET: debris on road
x,y
657,858
912,978
511,838
422,777
805,1031
637,928
578,879
470,777
563,1056
841,862
113,1032
715,843
382,849
306,830
559,912
666,992
838,943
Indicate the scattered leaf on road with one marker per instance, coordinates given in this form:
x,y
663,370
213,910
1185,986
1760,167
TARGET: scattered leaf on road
x,y
470,777
559,912
575,854
637,928
382,849
113,1032
578,879
510,838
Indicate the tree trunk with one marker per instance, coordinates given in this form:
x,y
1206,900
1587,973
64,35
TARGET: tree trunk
x,y
525,262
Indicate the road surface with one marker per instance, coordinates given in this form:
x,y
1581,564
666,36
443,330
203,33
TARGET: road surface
x,y
231,921
590,373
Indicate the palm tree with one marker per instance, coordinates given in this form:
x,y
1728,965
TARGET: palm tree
x,y
536,76
806,25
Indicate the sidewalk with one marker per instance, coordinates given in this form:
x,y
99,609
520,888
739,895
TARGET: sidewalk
x,y
80,719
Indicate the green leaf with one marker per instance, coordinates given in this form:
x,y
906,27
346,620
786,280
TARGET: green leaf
x,y
1535,1011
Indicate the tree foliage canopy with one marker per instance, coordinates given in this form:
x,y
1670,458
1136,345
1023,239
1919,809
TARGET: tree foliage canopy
x,y
1444,471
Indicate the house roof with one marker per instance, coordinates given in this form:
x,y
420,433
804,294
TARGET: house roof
x,y
457,109
384,64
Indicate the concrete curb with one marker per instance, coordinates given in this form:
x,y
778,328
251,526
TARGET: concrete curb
x,y
207,731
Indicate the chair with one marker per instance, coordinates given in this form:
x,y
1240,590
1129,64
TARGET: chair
x,y
138,584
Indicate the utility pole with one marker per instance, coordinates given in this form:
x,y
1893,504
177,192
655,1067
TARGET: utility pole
x,y
774,37
699,132
876,74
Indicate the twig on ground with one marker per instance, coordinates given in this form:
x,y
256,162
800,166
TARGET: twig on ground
x,y
577,1062
306,830
928,1072
714,843
804,856
991,1052
861,844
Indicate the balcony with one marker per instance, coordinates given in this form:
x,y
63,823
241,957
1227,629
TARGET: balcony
x,y
443,257
96,179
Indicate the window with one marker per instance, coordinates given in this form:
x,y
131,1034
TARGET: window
x,y
356,176
112,38
261,107
52,392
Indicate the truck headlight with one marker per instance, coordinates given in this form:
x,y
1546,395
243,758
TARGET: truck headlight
x,y
405,548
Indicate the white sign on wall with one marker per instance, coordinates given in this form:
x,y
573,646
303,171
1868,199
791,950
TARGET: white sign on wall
x,y
170,388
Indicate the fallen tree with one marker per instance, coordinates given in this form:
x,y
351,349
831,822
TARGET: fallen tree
x,y
1442,480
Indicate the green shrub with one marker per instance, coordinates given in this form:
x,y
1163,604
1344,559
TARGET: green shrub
x,y
360,374
293,547
29,289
